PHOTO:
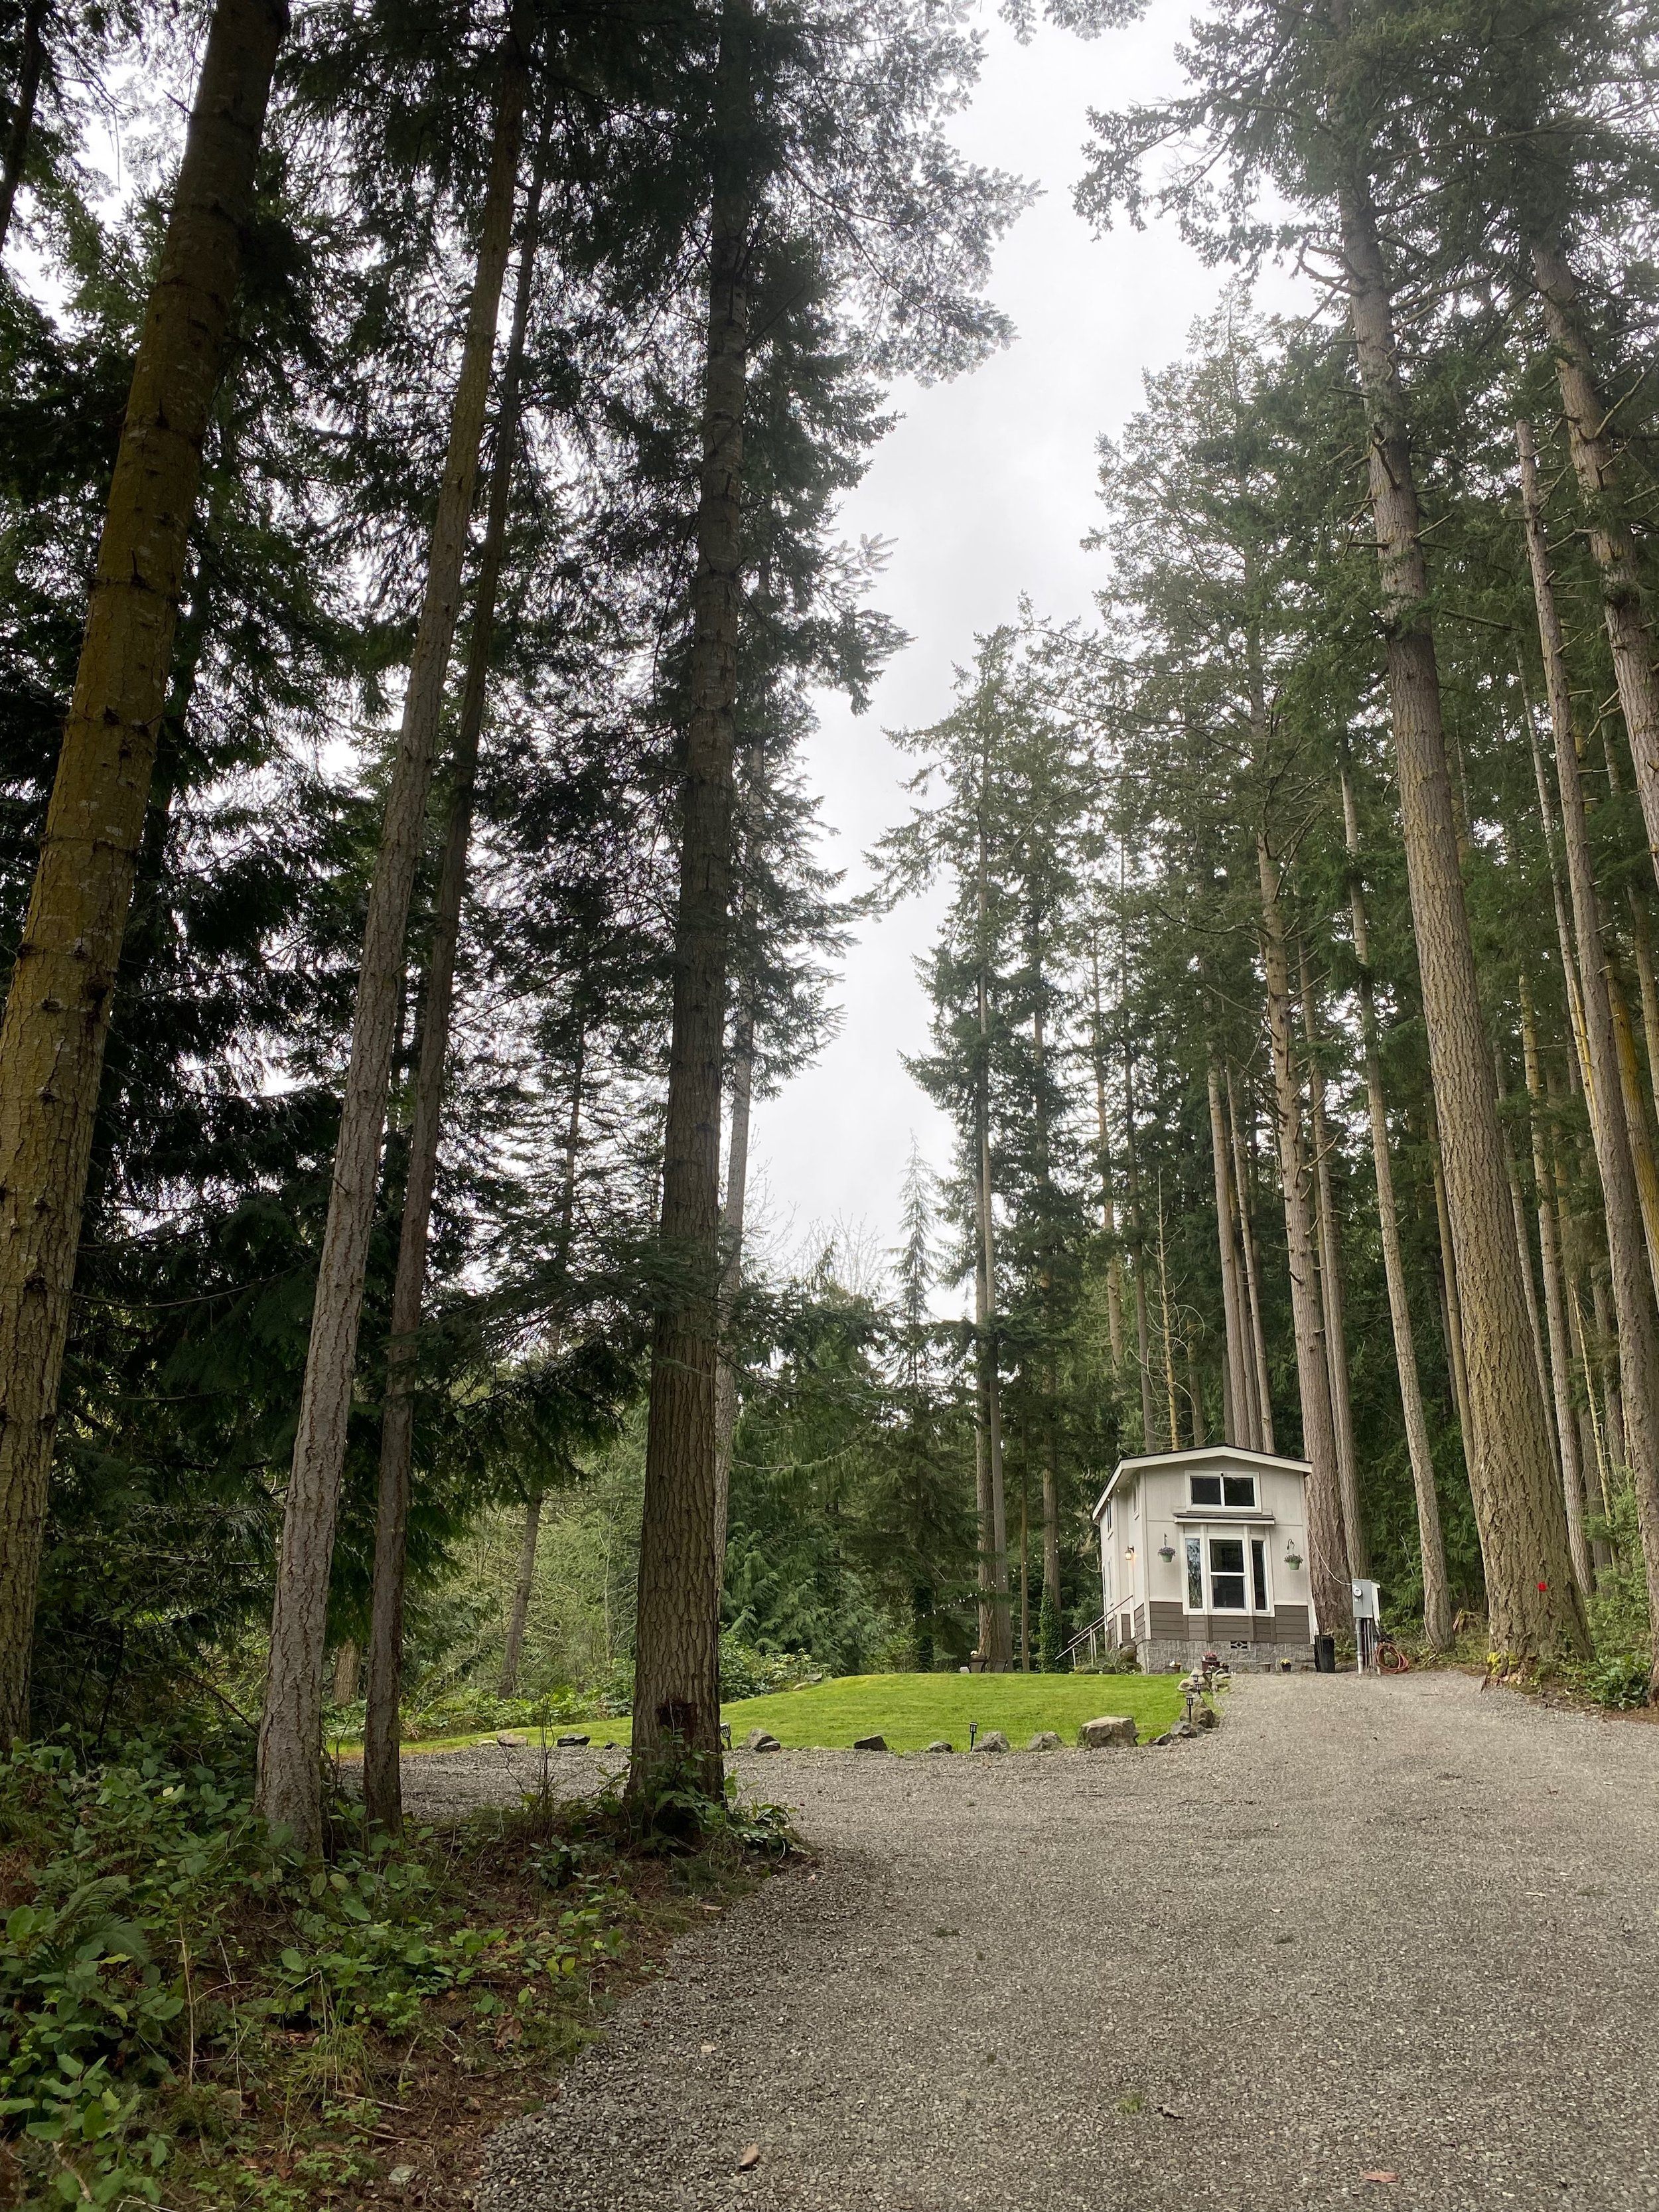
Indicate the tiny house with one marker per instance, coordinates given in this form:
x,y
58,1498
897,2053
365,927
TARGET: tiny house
x,y
1207,1551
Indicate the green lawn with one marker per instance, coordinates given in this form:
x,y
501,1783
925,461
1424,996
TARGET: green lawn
x,y
910,1711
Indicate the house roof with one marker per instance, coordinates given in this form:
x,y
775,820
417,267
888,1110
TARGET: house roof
x,y
1201,1455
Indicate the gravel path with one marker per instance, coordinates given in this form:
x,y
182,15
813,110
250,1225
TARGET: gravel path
x,y
1395,1930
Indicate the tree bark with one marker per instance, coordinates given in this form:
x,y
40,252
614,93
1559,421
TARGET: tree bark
x,y
1258,1340
1572,1472
1168,1327
999,1647
1326,1544
57,1010
1535,1603
1432,1549
382,1769
22,114
1108,1211
1632,1286
1523,1246
676,1663
289,1784
1149,1437
1242,1427
1594,461
1452,1302
732,1224
1330,1283
346,1663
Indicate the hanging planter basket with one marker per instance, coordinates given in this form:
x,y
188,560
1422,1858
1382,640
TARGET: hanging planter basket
x,y
1166,1551
1293,1559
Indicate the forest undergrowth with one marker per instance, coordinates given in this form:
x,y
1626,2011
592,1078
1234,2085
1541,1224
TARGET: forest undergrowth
x,y
194,2014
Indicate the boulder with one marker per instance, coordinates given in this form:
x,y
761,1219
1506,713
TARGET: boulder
x,y
511,1738
572,1743
1205,1717
1182,1732
869,1743
992,1740
1106,1730
1044,1740
760,1739
941,1744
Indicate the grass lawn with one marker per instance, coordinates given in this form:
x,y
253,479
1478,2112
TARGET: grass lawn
x,y
911,1711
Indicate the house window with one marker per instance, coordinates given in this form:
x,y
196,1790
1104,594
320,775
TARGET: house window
x,y
1227,1574
1109,1517
1222,1489
1195,1575
1258,1573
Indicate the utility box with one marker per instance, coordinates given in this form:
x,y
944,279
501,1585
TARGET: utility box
x,y
1367,1624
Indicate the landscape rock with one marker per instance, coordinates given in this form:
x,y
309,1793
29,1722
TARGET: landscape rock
x,y
511,1738
869,1743
941,1744
1182,1730
399,2178
572,1743
1105,1731
1205,1717
760,1739
992,1740
1044,1740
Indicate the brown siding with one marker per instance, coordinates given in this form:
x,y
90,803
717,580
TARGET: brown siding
x,y
1167,1617
1291,1624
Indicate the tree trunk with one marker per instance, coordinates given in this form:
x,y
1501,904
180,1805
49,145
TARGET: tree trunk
x,y
677,1647
1241,1426
288,1785
1635,1110
1633,1284
1594,461
1523,1246
1107,1212
1432,1549
1258,1340
346,1660
22,115
1452,1302
1572,1472
523,1588
1330,1282
1533,1599
731,1223
382,1769
57,1010
1168,1327
999,1650
1149,1437
1051,1598
1327,1563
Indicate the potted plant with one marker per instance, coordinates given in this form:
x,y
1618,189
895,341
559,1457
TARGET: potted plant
x,y
1166,1550
1293,1558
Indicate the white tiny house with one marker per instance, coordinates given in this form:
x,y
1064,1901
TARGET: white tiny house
x,y
1207,1551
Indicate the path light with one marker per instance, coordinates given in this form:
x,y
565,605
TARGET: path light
x,y
973,1730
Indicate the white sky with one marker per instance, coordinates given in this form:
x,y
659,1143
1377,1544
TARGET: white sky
x,y
986,487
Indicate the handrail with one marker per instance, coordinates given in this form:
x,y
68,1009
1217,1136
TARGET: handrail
x,y
1093,1629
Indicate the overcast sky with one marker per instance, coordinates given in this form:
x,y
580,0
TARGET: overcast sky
x,y
986,488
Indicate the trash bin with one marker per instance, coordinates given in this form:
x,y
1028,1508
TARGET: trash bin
x,y
1324,1655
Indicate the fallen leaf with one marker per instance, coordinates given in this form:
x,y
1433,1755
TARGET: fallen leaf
x,y
751,2157
1379,2174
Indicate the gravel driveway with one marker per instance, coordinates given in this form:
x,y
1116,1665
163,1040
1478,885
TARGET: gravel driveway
x,y
1382,1943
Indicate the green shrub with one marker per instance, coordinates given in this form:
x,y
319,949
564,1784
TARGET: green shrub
x,y
1619,1679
